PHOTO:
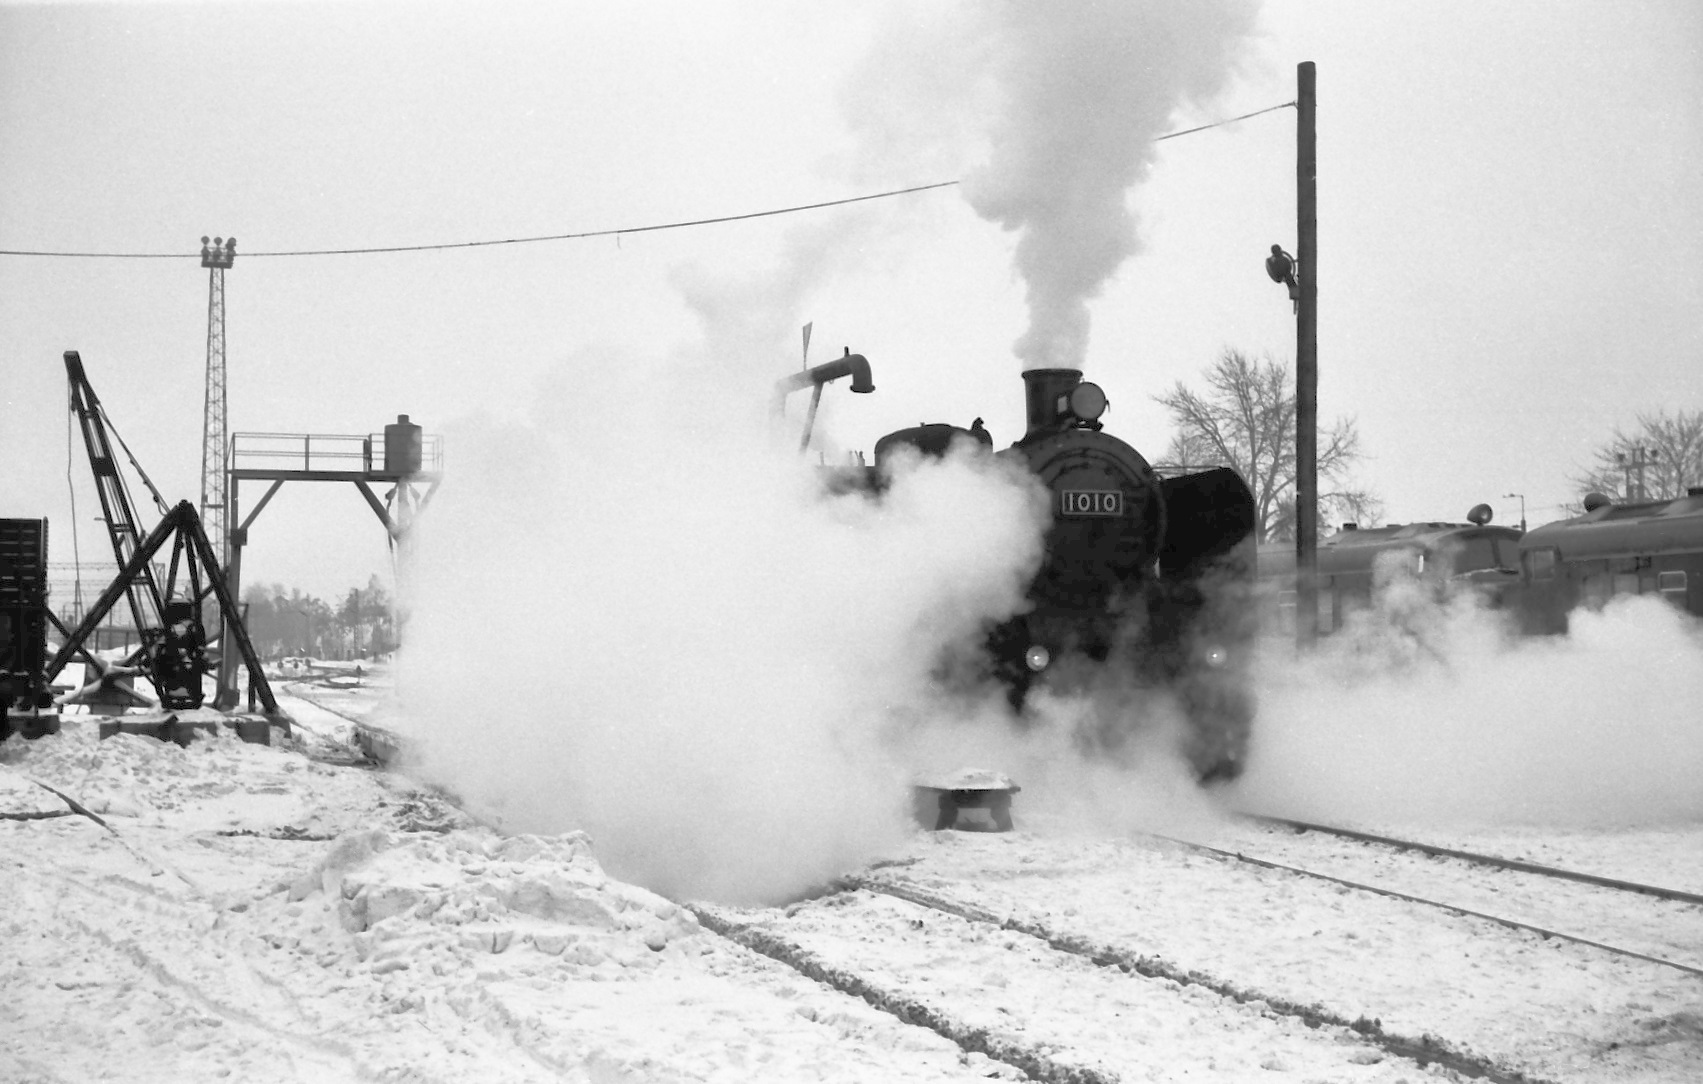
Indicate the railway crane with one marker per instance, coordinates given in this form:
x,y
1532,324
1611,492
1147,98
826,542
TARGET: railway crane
x,y
168,588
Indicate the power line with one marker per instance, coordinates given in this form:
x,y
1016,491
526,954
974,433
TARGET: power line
x,y
442,246
1222,123
247,255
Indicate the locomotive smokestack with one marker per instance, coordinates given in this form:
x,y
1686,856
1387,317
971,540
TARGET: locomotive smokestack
x,y
1044,390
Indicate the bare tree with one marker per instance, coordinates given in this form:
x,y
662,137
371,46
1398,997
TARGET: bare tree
x,y
1657,460
1245,420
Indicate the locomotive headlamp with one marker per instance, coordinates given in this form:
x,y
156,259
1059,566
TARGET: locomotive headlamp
x,y
1216,656
1087,401
1037,657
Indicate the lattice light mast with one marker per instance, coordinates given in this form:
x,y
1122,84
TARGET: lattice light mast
x,y
217,257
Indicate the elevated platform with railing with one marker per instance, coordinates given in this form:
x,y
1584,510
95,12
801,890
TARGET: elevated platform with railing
x,y
330,457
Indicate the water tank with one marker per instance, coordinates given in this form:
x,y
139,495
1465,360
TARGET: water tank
x,y
402,447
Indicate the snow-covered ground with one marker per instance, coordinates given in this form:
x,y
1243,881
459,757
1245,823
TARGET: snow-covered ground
x,y
272,914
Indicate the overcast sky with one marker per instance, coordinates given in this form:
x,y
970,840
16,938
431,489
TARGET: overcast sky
x,y
1510,223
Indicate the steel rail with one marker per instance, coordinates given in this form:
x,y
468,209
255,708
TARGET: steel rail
x,y
1484,859
1424,1050
1511,923
1036,1061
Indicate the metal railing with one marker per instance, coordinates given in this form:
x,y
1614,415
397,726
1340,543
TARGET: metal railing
x,y
348,453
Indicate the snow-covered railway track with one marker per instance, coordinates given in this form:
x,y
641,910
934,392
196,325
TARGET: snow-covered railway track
x,y
1643,922
345,738
1488,860
1411,978
298,689
1059,1005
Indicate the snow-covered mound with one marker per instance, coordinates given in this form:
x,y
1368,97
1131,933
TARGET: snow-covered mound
x,y
232,911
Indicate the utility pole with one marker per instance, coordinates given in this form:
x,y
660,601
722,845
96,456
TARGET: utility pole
x,y
217,258
1300,274
1306,361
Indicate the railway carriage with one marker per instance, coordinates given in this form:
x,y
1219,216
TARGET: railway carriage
x,y
1649,548
1350,562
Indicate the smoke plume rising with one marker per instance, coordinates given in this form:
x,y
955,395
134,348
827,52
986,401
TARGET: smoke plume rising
x,y
1070,97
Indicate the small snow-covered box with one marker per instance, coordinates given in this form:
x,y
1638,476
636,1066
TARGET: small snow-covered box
x,y
936,799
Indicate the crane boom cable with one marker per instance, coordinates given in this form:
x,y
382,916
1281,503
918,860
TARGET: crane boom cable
x,y
159,501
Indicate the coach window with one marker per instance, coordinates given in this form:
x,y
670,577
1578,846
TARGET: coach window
x,y
1672,586
1476,554
1540,564
1626,583
1597,589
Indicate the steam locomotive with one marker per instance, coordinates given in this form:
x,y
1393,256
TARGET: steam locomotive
x,y
1146,582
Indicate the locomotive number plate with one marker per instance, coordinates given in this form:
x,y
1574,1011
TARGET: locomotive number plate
x,y
1091,502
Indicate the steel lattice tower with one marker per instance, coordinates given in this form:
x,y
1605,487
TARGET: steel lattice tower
x,y
217,258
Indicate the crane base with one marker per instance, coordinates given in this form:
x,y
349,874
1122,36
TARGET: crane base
x,y
254,729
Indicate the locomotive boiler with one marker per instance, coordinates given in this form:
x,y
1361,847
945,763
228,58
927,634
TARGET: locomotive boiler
x,y
1145,585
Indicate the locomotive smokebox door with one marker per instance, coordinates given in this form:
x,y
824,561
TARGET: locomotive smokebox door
x,y
937,800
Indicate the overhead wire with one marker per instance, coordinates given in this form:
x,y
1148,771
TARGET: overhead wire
x,y
1222,123
615,232
584,234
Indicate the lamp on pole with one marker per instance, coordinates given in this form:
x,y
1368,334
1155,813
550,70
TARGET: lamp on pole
x,y
1522,497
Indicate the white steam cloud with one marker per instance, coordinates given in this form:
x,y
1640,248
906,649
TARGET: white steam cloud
x,y
656,627
1432,713
1072,95
634,615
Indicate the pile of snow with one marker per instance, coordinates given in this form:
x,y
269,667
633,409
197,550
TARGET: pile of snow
x,y
246,912
409,899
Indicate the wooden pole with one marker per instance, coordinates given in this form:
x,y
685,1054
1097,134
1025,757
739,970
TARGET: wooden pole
x,y
1306,363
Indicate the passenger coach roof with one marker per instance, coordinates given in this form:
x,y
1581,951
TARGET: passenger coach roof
x,y
1347,551
1617,530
